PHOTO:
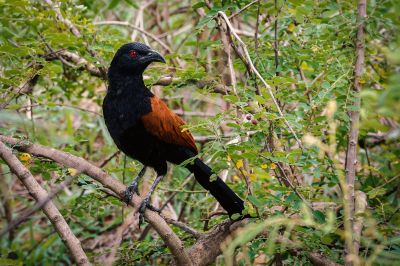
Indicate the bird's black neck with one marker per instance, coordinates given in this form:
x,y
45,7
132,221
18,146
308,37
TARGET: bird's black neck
x,y
119,81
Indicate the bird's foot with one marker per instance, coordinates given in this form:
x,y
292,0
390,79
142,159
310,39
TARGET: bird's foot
x,y
146,204
128,194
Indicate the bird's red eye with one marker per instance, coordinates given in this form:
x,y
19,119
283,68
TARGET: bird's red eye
x,y
133,53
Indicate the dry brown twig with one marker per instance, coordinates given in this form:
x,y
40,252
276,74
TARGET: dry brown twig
x,y
49,208
247,60
25,88
243,9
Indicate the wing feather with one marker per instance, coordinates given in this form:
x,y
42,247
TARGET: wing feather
x,y
167,126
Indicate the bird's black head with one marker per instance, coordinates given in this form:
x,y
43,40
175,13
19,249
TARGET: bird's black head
x,y
133,58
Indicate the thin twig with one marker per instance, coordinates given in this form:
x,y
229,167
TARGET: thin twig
x,y
257,28
254,69
129,25
65,21
243,9
276,49
25,88
183,226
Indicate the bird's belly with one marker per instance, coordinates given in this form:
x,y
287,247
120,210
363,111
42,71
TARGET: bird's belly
x,y
137,143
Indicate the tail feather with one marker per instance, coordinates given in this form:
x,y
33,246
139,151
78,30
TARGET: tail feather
x,y
221,192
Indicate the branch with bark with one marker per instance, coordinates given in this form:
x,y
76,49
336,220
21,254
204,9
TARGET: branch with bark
x,y
81,165
77,61
354,115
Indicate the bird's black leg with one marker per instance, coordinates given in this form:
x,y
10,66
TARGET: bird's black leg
x,y
133,187
147,200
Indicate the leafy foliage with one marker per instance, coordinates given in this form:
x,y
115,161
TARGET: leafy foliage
x,y
242,132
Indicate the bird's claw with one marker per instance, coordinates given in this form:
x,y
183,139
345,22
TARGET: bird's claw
x,y
146,204
128,194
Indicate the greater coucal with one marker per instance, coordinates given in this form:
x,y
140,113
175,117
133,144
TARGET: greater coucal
x,y
145,129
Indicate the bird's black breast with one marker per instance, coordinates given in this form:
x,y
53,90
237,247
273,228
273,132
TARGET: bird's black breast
x,y
123,106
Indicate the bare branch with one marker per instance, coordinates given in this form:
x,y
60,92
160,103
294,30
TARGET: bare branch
x,y
74,30
351,154
26,87
51,211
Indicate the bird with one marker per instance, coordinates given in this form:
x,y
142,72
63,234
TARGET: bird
x,y
145,129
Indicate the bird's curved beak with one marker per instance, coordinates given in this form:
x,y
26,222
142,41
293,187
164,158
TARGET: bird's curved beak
x,y
154,56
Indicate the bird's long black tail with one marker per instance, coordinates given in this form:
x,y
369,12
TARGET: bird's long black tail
x,y
223,194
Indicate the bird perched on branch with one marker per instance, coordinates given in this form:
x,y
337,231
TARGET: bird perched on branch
x,y
144,128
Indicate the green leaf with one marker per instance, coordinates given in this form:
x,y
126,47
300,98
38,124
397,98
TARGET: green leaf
x,y
131,3
113,4
235,216
319,216
375,192
6,262
255,201
199,5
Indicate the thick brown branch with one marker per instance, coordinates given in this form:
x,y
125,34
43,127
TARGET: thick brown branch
x,y
208,246
81,165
